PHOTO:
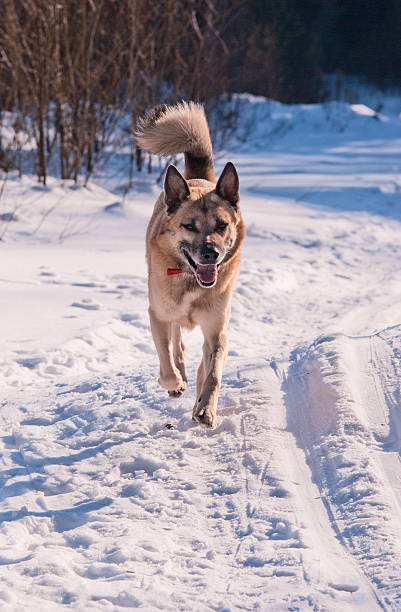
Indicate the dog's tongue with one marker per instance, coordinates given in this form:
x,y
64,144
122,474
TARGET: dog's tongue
x,y
206,272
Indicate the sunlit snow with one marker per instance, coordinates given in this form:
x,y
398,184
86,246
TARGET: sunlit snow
x,y
112,497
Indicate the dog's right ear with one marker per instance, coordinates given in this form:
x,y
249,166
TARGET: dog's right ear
x,y
176,189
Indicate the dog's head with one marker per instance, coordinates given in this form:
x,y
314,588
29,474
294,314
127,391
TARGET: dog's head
x,y
203,222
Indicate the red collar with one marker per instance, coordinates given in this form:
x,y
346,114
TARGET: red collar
x,y
171,271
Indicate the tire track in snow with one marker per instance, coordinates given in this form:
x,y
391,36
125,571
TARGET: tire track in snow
x,y
286,538
343,397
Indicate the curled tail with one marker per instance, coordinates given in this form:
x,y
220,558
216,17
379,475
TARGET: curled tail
x,y
183,128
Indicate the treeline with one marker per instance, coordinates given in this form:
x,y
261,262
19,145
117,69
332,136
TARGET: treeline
x,y
363,37
76,74
289,44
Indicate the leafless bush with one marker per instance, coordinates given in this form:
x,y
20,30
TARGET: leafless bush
x,y
70,70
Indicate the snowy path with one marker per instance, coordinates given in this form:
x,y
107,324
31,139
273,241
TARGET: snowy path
x,y
111,497
115,507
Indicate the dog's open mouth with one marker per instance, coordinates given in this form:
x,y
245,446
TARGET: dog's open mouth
x,y
206,274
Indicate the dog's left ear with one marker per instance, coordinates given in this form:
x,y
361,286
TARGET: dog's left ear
x,y
176,189
228,184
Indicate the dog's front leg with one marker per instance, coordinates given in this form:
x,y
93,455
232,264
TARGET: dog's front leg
x,y
170,375
178,349
209,376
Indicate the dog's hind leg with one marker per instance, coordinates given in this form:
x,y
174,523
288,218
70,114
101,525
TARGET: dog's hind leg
x,y
170,375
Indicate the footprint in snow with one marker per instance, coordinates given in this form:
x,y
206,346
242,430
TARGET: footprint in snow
x,y
85,387
47,273
87,304
145,348
133,319
49,277
128,317
89,284
30,362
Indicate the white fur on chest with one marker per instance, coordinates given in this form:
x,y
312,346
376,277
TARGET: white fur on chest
x,y
167,308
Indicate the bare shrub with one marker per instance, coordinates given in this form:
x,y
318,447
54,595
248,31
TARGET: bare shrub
x,y
71,70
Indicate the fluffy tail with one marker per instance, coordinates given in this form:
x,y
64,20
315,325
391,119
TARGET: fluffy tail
x,y
183,128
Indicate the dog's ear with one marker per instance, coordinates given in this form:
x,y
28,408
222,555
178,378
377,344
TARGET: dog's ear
x,y
228,184
176,189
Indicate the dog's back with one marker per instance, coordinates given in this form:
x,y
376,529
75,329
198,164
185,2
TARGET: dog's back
x,y
168,130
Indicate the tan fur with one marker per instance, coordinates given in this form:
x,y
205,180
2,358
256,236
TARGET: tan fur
x,y
178,129
179,301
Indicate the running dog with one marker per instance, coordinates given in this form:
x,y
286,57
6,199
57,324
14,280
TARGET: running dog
x,y
193,251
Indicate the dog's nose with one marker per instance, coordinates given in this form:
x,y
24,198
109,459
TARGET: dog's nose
x,y
209,253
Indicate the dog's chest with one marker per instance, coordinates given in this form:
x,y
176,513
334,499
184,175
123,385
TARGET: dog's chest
x,y
171,303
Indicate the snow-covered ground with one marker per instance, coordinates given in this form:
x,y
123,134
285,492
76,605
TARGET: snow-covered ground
x,y
111,497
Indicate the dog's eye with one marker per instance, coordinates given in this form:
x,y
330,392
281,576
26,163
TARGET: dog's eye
x,y
221,226
188,226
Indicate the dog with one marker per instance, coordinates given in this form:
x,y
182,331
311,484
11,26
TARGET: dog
x,y
193,245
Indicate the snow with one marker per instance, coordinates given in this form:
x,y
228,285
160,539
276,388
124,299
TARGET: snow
x,y
112,497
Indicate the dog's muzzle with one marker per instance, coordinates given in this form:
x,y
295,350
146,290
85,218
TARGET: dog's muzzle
x,y
205,273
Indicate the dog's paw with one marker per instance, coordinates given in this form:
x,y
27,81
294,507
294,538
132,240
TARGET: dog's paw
x,y
174,385
205,415
177,392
